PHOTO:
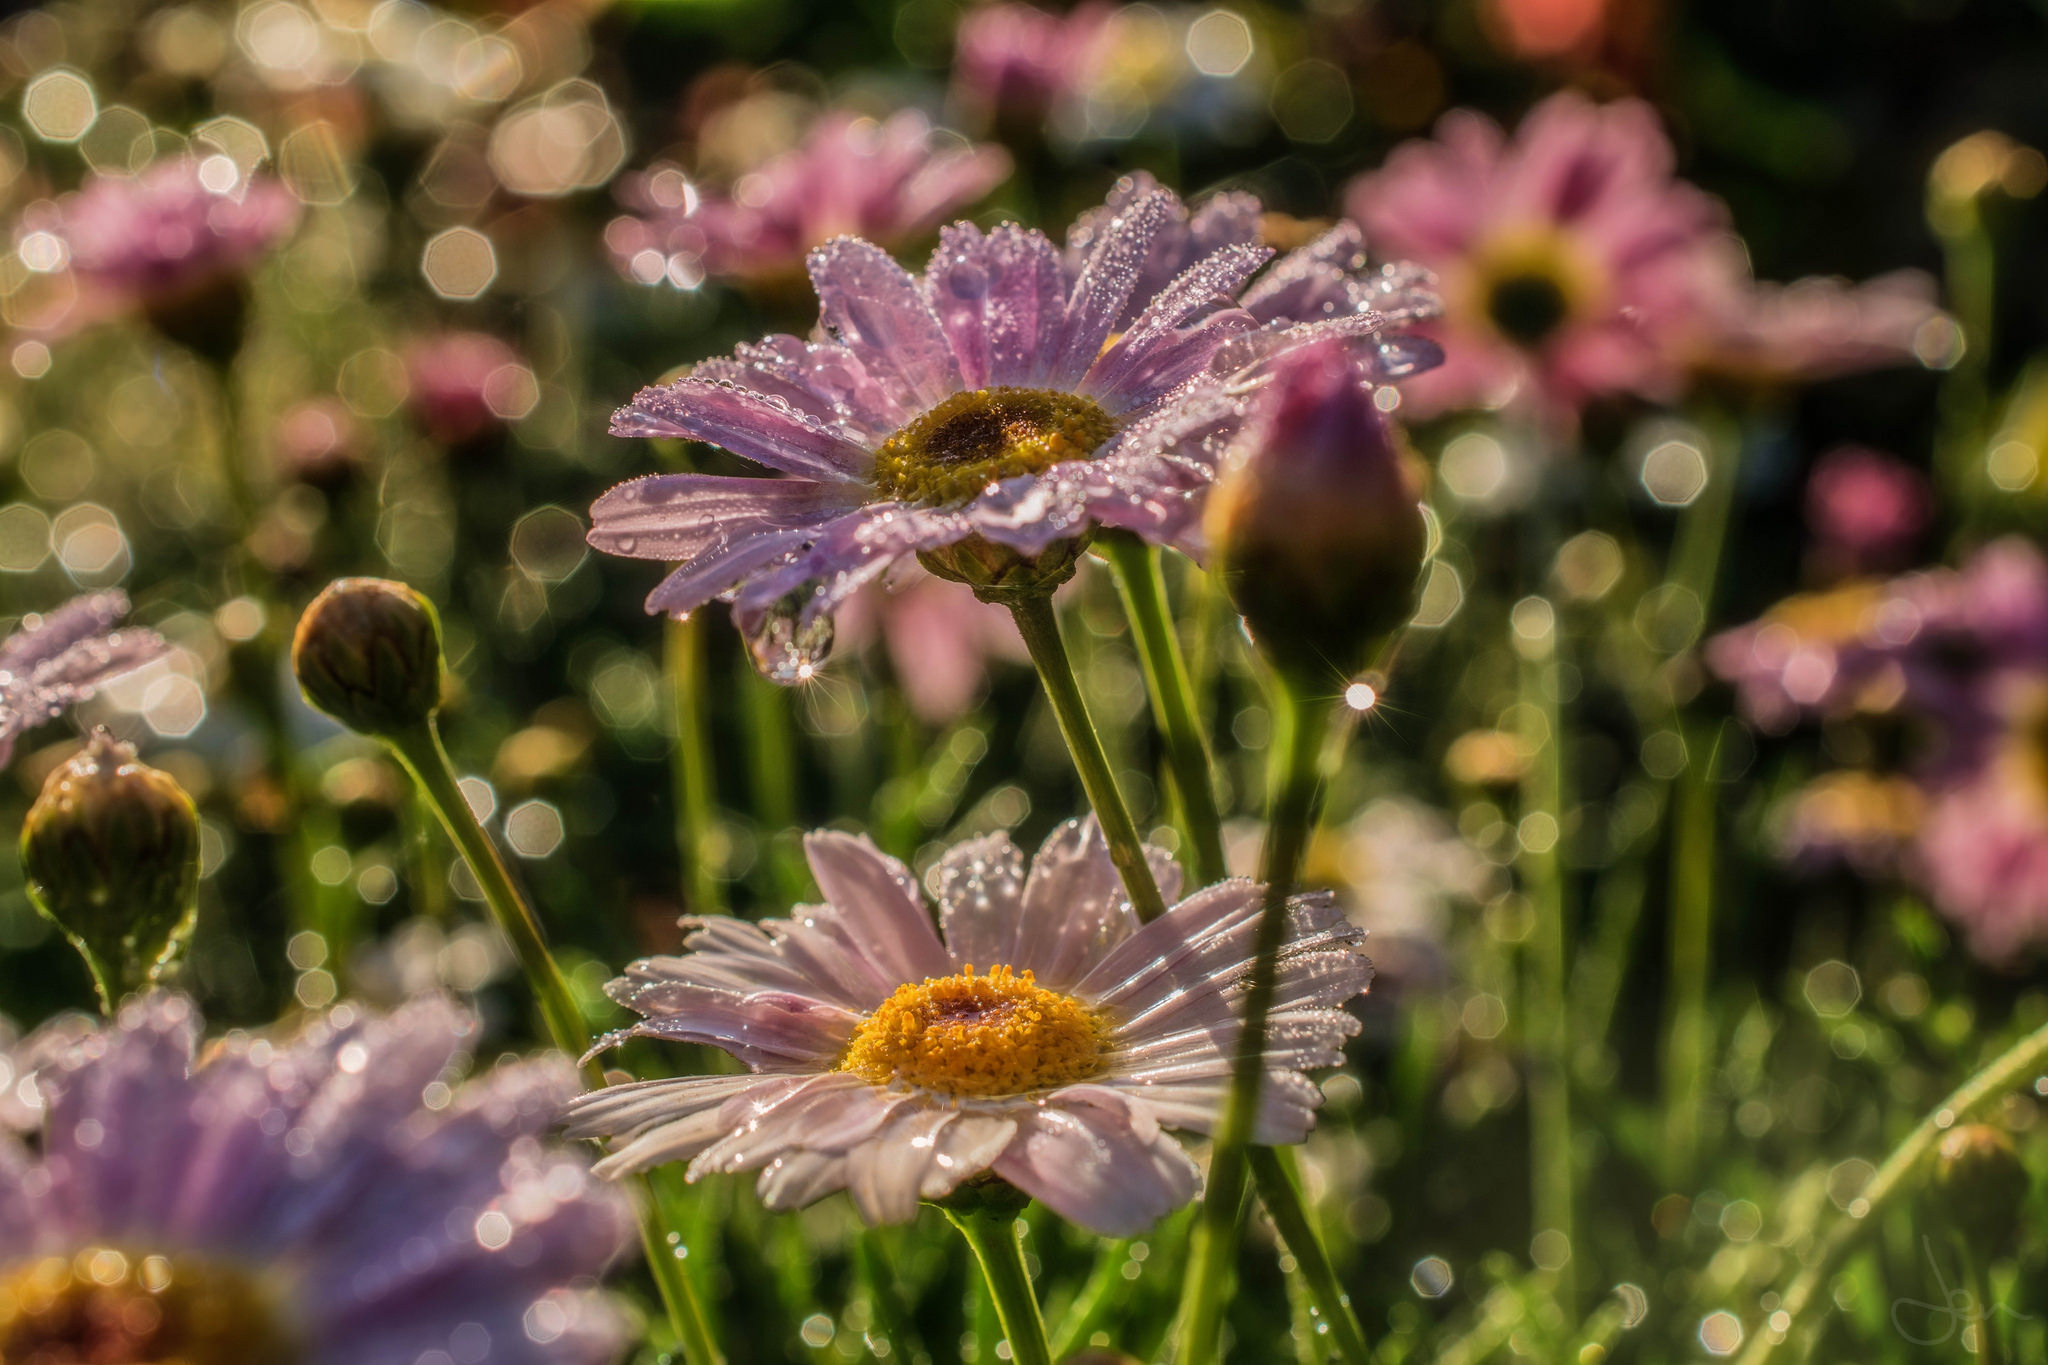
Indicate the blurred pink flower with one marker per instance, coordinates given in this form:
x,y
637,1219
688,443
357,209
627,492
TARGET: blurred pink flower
x,y
888,183
1573,263
317,440
1982,852
168,233
1576,265
1017,59
940,641
463,384
1867,510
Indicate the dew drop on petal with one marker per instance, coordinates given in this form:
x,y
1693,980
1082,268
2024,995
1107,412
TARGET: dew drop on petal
x,y
787,651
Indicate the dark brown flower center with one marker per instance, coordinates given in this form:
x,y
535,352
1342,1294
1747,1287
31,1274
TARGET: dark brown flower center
x,y
1527,308
105,1306
973,439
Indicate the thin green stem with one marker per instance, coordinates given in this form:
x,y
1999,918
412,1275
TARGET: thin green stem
x,y
1553,1201
696,825
1143,588
1295,768
2006,1071
993,1236
1281,1195
426,759
771,763
1694,837
1977,1275
1173,704
1091,1307
1040,627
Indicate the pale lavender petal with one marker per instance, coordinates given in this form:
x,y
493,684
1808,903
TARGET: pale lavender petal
x,y
886,1173
1105,283
760,427
795,1179
876,897
825,1112
1075,908
965,1148
873,307
674,517
1002,300
718,571
845,556
1083,1162
979,886
46,636
1174,338
825,380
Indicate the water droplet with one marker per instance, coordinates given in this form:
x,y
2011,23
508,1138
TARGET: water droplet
x,y
785,650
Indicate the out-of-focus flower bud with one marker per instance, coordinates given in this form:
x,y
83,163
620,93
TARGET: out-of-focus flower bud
x,y
1316,523
368,653
1980,1185
111,850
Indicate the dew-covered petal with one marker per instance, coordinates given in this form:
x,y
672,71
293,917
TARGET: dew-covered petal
x,y
874,308
674,517
964,1149
80,619
1002,300
1175,337
979,885
1082,1160
1105,283
823,379
829,1111
886,1174
876,898
764,428
795,1179
1075,908
718,571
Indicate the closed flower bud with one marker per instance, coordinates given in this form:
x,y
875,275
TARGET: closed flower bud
x,y
368,653
111,851
1316,523
1002,575
1980,1186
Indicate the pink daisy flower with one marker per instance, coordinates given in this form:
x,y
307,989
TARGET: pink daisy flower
x,y
1043,1035
1867,510
1982,850
1573,263
1017,59
889,183
462,385
331,1198
173,230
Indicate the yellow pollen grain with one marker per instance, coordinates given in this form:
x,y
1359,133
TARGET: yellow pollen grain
x,y
973,439
997,1034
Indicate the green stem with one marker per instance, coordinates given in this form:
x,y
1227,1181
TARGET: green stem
x,y
765,708
2009,1069
1693,862
423,755
1550,1118
1295,765
1091,1307
993,1236
1040,627
1143,588
1977,1273
1173,704
696,826
1282,1198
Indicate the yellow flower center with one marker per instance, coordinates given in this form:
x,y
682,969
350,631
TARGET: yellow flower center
x,y
103,1306
1528,282
960,447
999,1034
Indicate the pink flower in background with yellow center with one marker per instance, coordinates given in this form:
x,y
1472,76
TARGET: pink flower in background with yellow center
x,y
1576,266
1573,263
888,182
1041,1035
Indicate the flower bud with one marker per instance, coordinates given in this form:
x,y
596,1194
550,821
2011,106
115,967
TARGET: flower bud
x,y
1002,575
368,653
1315,520
111,851
1980,1185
